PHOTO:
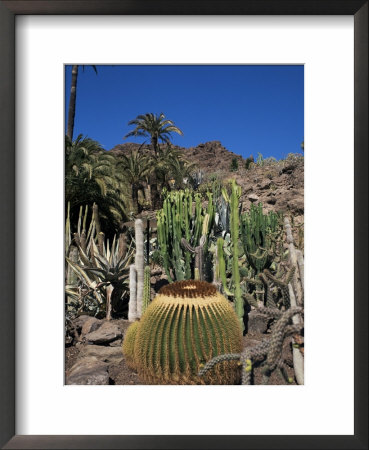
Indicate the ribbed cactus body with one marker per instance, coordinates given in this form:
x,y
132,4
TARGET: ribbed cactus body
x,y
129,343
187,324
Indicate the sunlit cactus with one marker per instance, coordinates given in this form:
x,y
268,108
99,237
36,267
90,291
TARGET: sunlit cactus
x,y
187,324
129,343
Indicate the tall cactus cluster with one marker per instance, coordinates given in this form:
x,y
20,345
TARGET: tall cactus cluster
x,y
183,217
261,237
188,323
232,286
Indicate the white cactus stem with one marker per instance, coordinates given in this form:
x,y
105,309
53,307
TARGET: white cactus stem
x,y
132,305
139,264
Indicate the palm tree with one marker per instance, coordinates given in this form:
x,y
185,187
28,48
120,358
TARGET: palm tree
x,y
136,168
72,100
181,171
156,127
91,176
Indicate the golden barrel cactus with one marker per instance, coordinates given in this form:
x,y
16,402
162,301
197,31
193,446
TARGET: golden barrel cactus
x,y
129,343
187,324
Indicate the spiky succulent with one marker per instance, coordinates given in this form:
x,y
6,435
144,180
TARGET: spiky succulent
x,y
188,323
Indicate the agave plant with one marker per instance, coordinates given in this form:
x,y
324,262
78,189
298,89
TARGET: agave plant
x,y
105,282
97,272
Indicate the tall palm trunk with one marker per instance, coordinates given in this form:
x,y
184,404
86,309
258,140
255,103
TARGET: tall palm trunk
x,y
155,196
136,205
72,102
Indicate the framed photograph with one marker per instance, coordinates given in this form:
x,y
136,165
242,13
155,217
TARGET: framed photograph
x,y
185,231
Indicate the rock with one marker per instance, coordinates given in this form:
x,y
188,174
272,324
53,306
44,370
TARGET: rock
x,y
88,370
152,280
109,355
79,321
108,332
117,343
90,325
257,323
253,198
265,185
296,205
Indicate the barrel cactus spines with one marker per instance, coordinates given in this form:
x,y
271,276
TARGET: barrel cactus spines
x,y
188,323
129,344
147,289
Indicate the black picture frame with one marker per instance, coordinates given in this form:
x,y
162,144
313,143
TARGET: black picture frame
x,y
8,12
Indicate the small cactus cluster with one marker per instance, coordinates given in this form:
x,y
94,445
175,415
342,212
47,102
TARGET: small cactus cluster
x,y
188,323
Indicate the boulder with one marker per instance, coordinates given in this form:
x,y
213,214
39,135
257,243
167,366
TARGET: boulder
x,y
88,370
105,334
253,198
90,325
79,321
109,355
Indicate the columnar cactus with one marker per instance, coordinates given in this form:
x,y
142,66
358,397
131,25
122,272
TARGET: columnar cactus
x,y
147,289
235,233
178,219
132,305
187,324
139,264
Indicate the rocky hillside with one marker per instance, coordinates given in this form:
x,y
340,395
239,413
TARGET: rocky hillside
x,y
279,185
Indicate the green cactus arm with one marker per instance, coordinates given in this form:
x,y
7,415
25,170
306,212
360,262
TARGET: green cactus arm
x,y
235,231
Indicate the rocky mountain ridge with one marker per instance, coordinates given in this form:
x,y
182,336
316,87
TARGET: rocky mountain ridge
x,y
279,185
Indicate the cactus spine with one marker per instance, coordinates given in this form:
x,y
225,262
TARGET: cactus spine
x,y
147,289
187,324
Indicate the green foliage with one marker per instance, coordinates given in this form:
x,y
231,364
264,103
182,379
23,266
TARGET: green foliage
x,y
182,216
234,165
248,162
135,169
91,176
188,323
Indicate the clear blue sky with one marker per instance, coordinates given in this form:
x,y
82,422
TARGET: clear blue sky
x,y
250,109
